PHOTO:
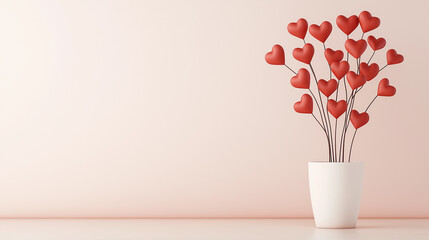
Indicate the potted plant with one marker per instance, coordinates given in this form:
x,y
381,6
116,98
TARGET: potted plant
x,y
336,184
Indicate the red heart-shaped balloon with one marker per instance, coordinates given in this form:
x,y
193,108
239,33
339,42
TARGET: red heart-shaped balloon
x,y
358,119
327,87
355,48
337,108
298,29
368,22
384,89
276,56
347,25
302,80
370,71
393,57
333,56
376,44
355,80
321,32
304,54
305,105
340,69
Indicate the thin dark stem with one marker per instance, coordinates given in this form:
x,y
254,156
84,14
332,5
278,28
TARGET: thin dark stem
x,y
342,138
350,100
352,103
322,109
351,108
340,150
371,57
347,121
351,145
345,88
371,103
291,69
330,127
323,128
358,64
347,51
318,122
335,140
344,127
320,96
354,135
330,70
362,35
327,113
359,88
324,131
336,124
382,68
304,41
336,94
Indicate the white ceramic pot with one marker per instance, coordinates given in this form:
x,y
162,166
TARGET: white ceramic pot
x,y
335,189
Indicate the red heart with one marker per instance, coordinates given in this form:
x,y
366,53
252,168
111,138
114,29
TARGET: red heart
x,y
384,89
302,80
359,119
355,80
393,57
304,54
355,48
337,108
368,22
276,56
370,71
333,56
321,33
340,69
347,25
305,105
327,87
376,44
298,29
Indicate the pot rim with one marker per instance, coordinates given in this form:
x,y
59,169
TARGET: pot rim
x,y
325,162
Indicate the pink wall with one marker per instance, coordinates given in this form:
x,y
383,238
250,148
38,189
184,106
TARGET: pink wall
x,y
168,109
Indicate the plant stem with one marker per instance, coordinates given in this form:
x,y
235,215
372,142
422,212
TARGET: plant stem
x,y
322,110
351,144
371,103
371,57
330,129
291,69
335,139
336,124
318,122
321,117
330,70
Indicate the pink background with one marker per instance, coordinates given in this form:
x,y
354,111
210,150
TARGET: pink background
x,y
168,109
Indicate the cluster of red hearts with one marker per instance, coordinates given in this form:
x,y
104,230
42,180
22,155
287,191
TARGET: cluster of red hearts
x,y
364,72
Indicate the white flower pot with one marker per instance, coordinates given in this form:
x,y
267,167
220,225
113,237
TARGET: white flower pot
x,y
335,189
